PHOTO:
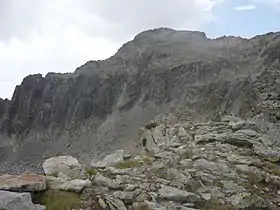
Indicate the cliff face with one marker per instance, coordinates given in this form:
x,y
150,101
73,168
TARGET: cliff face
x,y
101,106
3,107
4,104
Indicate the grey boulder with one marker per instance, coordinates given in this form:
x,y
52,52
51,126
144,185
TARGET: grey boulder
x,y
17,201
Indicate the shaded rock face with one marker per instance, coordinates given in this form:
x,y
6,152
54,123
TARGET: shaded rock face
x,y
3,109
100,107
3,106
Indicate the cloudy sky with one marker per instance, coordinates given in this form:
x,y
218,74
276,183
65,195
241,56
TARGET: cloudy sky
x,y
40,36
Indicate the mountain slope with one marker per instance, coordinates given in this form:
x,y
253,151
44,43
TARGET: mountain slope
x,y
101,106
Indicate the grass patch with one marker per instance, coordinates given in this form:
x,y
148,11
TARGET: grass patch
x,y
134,163
129,164
91,172
53,175
272,168
57,200
147,160
214,204
143,206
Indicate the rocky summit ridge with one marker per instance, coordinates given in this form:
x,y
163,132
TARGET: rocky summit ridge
x,y
100,107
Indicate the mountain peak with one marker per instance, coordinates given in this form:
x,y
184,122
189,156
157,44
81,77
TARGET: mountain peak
x,y
160,33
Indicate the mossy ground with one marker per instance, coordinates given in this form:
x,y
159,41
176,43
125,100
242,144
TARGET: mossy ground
x,y
57,200
214,204
91,172
134,163
129,164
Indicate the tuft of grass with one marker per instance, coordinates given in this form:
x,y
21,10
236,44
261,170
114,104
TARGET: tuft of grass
x,y
142,206
129,164
91,172
53,175
134,163
214,204
147,160
272,168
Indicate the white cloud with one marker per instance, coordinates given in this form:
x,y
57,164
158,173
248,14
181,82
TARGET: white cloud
x,y
274,4
245,7
59,36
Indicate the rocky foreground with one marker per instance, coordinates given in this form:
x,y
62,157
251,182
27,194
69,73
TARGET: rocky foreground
x,y
228,164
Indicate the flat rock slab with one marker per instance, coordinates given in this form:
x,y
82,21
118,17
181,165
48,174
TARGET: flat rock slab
x,y
23,183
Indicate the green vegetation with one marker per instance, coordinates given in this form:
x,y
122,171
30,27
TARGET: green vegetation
x,y
129,164
272,168
214,204
143,206
134,163
53,175
57,200
147,160
91,172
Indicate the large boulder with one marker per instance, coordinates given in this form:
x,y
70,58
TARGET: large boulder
x,y
64,173
17,201
177,195
66,184
66,165
23,183
112,159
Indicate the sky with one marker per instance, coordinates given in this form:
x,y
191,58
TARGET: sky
x,y
40,36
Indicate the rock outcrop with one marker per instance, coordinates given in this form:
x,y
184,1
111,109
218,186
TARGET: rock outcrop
x,y
217,169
